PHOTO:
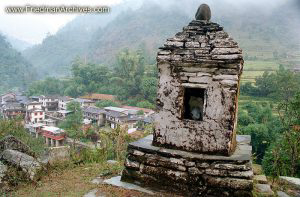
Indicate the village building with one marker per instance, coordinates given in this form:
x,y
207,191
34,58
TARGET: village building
x,y
49,103
62,113
84,102
195,150
12,109
63,102
145,110
34,105
94,115
35,115
121,117
7,97
49,122
99,97
53,136
35,129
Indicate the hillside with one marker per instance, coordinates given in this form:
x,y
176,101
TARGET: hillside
x,y
15,71
18,44
53,56
98,38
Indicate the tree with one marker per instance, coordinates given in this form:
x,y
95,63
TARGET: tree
x,y
102,104
148,88
73,122
145,104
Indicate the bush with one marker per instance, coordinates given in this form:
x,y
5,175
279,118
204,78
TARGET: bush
x,y
16,128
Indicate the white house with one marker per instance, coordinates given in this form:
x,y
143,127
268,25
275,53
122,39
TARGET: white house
x,y
63,102
34,105
35,116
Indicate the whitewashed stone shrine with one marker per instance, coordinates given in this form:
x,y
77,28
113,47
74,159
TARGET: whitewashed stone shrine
x,y
194,150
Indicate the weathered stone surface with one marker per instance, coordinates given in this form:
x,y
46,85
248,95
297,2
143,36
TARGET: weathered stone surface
x,y
174,44
200,79
282,194
191,155
207,174
116,181
192,44
292,181
225,173
237,184
27,163
3,170
10,142
264,190
233,167
227,57
226,51
225,77
242,153
262,179
195,171
132,164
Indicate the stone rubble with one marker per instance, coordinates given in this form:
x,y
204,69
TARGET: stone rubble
x,y
10,142
27,163
3,170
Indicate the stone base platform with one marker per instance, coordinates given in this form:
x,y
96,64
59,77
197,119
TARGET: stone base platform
x,y
190,174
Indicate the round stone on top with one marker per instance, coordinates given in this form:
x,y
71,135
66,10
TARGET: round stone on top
x,y
203,13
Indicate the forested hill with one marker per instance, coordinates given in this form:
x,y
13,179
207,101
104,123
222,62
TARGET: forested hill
x,y
53,56
15,71
268,31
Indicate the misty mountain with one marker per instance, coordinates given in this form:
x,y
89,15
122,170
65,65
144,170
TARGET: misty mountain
x,y
53,56
15,71
18,44
260,30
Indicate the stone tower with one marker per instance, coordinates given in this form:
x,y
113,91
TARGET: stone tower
x,y
194,150
199,74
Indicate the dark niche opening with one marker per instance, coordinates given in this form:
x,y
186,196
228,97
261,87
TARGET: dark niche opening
x,y
193,103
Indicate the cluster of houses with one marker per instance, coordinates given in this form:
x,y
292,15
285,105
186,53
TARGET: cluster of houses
x,y
42,114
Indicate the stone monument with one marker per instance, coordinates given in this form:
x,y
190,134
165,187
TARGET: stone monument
x,y
194,150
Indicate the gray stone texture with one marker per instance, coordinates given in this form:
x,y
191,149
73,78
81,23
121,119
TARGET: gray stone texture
x,y
264,190
201,56
188,173
282,194
292,181
10,142
27,163
3,169
262,179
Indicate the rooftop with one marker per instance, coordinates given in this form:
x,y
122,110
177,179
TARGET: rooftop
x,y
94,96
138,109
51,129
94,110
81,100
116,109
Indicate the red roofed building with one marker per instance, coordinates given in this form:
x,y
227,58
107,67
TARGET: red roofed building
x,y
53,136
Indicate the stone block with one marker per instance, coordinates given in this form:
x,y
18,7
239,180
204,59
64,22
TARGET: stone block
x,y
262,179
132,164
264,190
27,163
231,183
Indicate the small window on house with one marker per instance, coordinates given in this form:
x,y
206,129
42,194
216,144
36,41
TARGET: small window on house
x,y
41,113
193,103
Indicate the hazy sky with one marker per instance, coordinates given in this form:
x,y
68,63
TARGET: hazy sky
x,y
34,27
